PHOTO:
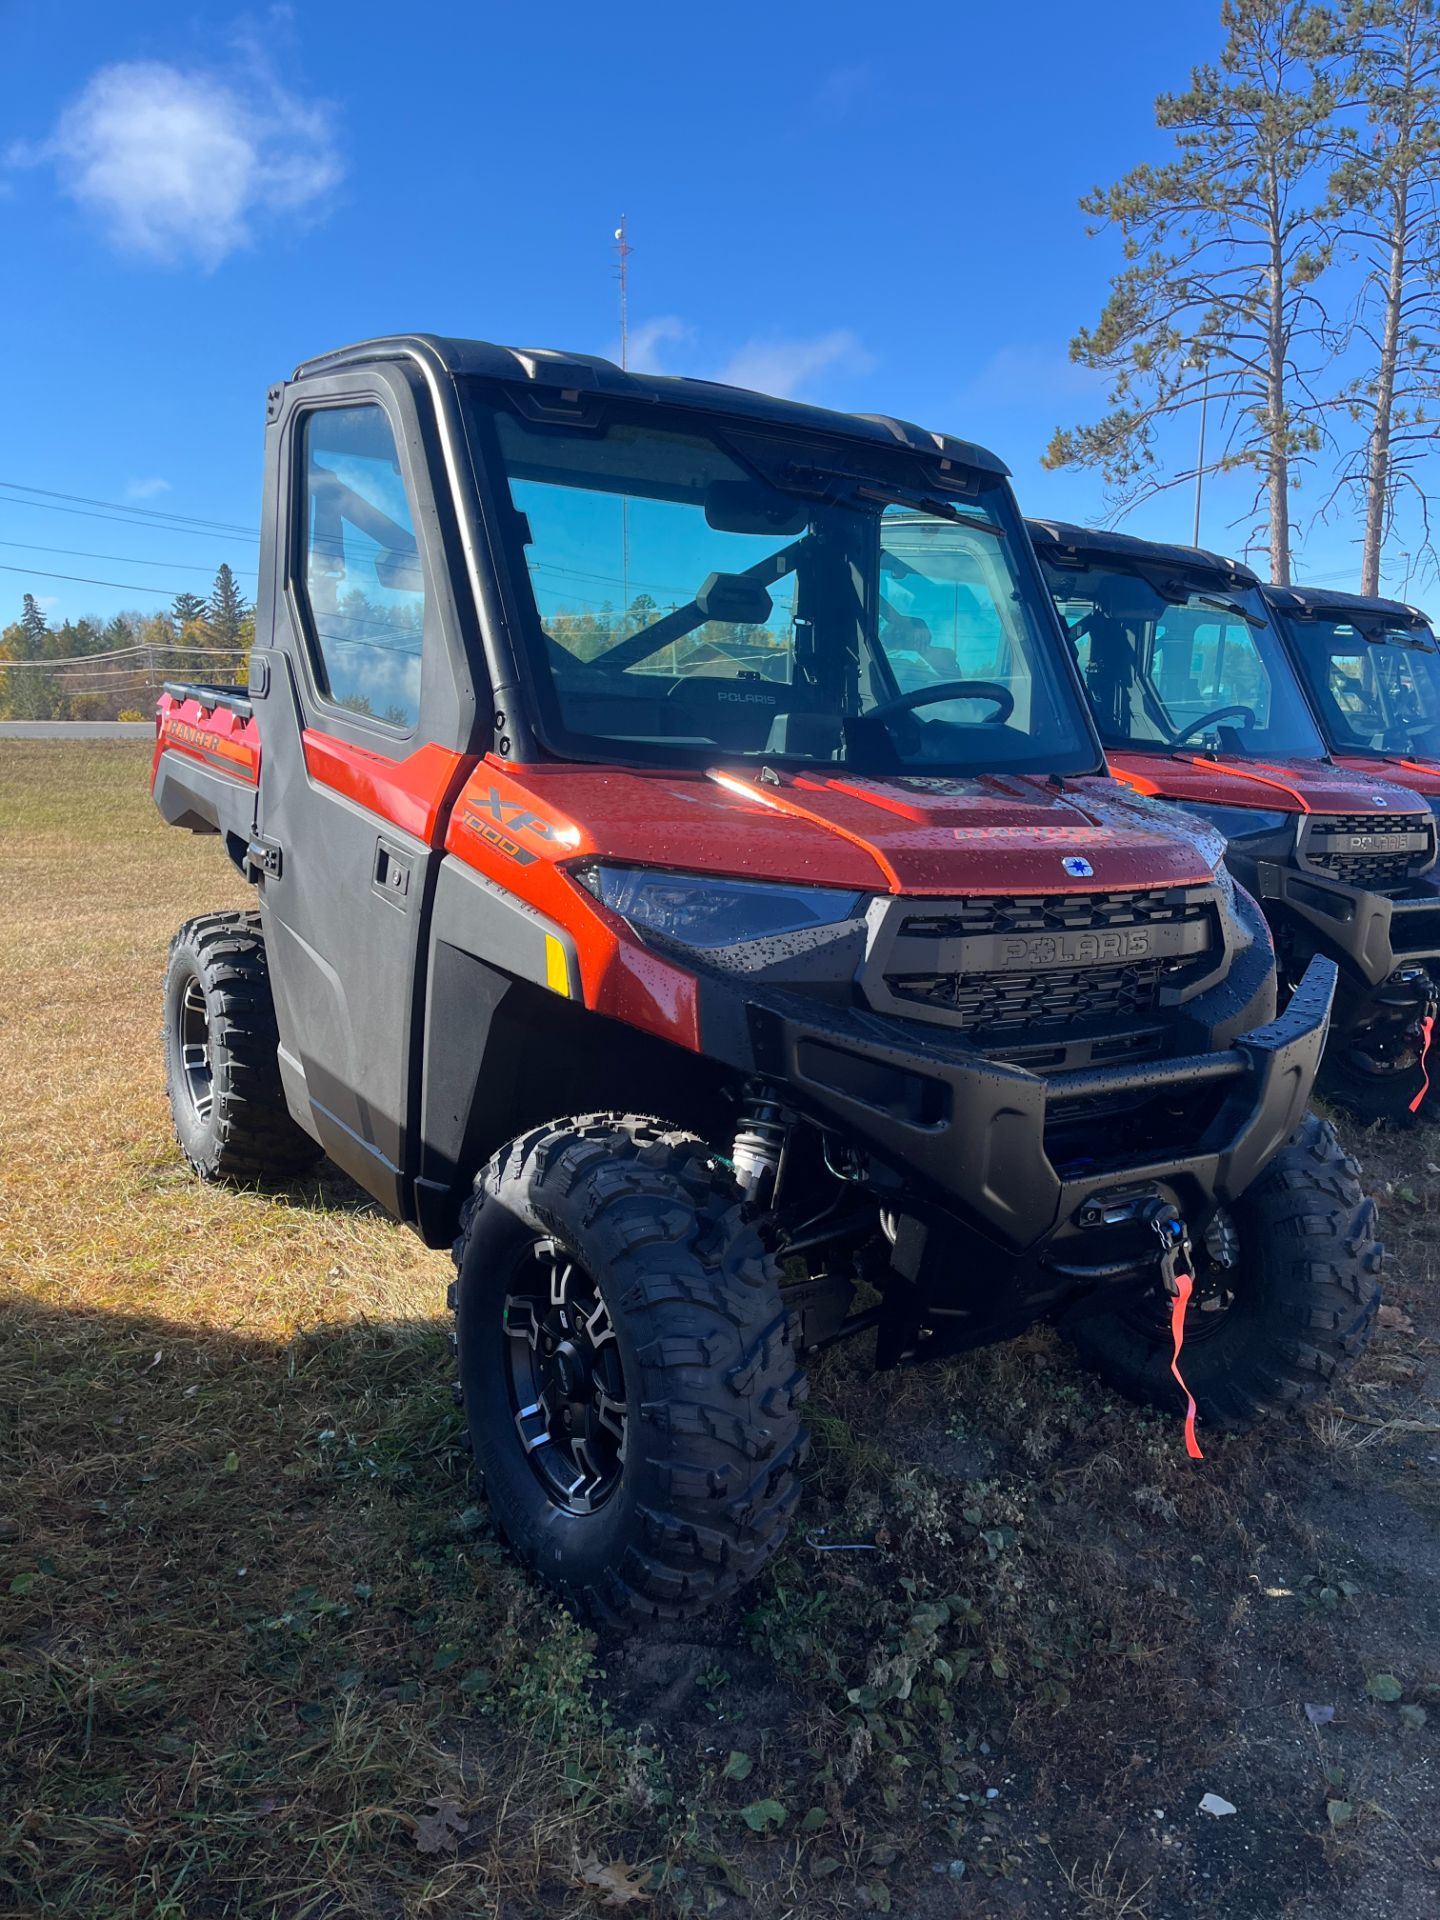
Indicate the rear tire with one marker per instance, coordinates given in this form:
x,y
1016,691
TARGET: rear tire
x,y
608,1279
1305,1289
222,1068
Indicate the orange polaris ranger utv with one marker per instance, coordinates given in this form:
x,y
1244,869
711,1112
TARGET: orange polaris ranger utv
x,y
1372,669
688,879
1198,702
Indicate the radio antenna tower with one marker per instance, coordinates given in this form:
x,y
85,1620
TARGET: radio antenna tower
x,y
623,251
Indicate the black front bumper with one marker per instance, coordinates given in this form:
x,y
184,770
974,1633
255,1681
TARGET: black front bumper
x,y
1368,934
957,1132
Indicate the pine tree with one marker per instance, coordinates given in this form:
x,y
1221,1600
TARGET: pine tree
x,y
1222,244
1388,196
185,608
34,626
227,610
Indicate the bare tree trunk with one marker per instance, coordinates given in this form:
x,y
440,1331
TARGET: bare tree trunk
x,y
1277,463
1377,454
1379,478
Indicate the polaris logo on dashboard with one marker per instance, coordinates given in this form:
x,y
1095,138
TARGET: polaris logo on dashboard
x,y
747,699
1076,949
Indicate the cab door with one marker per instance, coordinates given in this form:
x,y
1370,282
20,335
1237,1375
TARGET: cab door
x,y
367,708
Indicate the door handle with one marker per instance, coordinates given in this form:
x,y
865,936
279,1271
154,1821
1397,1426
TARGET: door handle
x,y
392,872
262,856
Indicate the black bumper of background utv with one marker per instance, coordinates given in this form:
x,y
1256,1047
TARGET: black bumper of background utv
x,y
966,1136
1370,934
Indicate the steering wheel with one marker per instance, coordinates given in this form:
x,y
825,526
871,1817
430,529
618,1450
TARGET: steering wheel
x,y
1002,697
1220,713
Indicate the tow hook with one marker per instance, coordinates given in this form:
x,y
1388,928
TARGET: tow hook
x,y
1177,1277
1175,1249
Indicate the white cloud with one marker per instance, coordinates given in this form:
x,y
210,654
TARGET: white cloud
x,y
1025,372
181,165
787,367
146,489
647,343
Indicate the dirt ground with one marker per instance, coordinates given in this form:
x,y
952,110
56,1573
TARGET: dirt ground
x,y
261,1656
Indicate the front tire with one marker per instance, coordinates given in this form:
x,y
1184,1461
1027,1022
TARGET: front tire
x,y
1378,1066
627,1368
1269,1333
222,1068
1390,1098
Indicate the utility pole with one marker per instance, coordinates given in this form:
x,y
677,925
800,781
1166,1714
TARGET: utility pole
x,y
1203,367
623,251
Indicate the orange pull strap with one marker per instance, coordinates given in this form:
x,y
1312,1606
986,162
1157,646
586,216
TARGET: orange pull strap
x,y
1183,1285
1427,1028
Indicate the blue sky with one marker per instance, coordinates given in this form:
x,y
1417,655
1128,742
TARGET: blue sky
x,y
872,210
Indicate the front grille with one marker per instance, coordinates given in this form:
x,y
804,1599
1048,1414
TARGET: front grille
x,y
994,1003
1001,965
1056,913
1374,852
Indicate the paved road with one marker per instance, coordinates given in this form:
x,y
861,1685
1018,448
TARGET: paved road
x,y
77,729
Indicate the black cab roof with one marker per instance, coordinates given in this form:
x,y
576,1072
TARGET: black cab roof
x,y
1317,602
582,372
1096,543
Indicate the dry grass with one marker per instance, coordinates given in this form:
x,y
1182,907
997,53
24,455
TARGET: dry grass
x,y
262,1658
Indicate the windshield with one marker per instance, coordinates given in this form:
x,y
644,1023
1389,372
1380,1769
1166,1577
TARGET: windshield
x,y
1377,685
695,589
1179,668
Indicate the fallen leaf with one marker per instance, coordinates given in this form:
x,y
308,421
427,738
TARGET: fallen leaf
x,y
761,1815
738,1767
1384,1687
1397,1320
617,1881
1212,1803
1319,1716
1413,1717
1339,1811
439,1831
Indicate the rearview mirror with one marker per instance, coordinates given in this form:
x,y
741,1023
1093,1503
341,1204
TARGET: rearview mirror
x,y
744,506
735,599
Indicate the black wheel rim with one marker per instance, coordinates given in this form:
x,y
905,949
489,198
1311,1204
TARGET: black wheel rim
x,y
192,1035
567,1382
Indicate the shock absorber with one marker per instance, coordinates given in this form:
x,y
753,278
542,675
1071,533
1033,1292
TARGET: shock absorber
x,y
759,1141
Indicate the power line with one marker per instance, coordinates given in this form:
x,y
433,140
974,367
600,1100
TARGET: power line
x,y
91,513
84,580
127,559
87,659
144,513
131,672
124,653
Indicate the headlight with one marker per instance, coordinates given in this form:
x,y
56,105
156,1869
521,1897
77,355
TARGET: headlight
x,y
1239,823
707,910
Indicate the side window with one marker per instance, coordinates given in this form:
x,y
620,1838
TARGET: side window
x,y
360,568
